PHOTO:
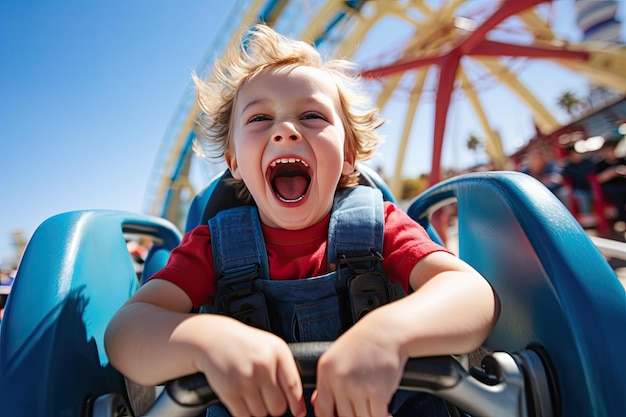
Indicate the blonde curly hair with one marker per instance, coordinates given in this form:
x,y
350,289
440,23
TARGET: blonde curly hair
x,y
261,48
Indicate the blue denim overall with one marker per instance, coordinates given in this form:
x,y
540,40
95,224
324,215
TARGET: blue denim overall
x,y
299,310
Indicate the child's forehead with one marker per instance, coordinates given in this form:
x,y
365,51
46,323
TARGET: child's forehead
x,y
292,80
297,74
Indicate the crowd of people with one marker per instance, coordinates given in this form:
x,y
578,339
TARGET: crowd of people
x,y
592,185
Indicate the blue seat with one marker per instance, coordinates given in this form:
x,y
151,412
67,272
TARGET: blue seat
x,y
558,294
75,273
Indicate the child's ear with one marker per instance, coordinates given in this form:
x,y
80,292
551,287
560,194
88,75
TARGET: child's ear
x,y
348,165
233,166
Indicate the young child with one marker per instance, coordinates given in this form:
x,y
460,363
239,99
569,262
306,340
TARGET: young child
x,y
291,129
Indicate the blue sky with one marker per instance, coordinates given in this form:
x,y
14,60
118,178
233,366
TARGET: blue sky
x,y
88,89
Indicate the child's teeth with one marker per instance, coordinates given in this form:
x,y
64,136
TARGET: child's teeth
x,y
288,161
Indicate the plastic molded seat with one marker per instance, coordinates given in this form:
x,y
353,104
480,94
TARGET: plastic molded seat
x,y
556,289
76,272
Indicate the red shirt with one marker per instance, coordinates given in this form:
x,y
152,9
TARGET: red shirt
x,y
296,254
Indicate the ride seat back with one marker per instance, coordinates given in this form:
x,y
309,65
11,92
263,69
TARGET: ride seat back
x,y
74,275
556,289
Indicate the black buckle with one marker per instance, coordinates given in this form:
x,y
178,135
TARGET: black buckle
x,y
359,257
240,300
368,288
233,279
367,285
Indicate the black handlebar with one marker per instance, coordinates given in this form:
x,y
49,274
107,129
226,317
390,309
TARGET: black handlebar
x,y
430,374
506,385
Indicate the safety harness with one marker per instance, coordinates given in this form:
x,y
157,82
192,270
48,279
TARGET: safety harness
x,y
315,308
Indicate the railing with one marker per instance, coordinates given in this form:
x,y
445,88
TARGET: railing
x,y
609,247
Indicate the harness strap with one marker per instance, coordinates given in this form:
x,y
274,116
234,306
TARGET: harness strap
x,y
355,240
356,224
238,247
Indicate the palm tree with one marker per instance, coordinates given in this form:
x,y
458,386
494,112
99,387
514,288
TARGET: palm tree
x,y
568,101
473,143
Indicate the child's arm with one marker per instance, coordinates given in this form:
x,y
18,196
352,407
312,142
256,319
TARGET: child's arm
x,y
452,311
153,338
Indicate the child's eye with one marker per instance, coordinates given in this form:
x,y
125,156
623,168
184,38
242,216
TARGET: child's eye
x,y
312,115
258,118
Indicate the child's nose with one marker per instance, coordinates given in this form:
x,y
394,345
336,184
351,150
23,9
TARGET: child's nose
x,y
286,130
278,138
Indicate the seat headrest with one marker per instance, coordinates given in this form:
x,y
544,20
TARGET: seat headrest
x,y
221,196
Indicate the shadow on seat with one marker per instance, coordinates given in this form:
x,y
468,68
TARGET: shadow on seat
x,y
558,294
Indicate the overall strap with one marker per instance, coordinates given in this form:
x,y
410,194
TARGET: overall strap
x,y
356,223
239,257
238,246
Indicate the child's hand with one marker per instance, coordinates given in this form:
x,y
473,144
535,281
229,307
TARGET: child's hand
x,y
357,376
253,372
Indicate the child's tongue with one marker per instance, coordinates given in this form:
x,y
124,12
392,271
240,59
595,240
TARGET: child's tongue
x,y
291,188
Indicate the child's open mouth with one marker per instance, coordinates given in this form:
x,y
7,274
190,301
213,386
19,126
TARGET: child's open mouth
x,y
290,179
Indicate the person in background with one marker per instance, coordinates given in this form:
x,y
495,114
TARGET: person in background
x,y
576,172
611,174
541,166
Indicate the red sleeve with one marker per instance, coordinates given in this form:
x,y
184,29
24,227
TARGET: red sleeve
x,y
190,267
405,243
